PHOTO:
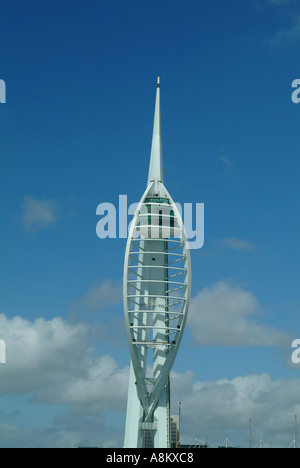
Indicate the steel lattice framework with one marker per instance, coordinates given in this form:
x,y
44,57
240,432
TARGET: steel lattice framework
x,y
157,284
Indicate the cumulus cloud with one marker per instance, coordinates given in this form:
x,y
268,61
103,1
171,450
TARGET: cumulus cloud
x,y
225,315
216,408
53,362
41,352
69,430
38,214
102,387
54,359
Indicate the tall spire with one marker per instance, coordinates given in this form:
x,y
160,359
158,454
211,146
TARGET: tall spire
x,y
155,310
156,168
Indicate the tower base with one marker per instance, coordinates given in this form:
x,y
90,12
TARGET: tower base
x,y
140,434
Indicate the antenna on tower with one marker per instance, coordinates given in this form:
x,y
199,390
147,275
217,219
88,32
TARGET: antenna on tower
x,y
179,413
295,443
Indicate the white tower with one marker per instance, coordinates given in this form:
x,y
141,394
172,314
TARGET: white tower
x,y
156,291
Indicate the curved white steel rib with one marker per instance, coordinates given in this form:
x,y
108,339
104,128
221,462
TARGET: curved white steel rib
x,y
157,284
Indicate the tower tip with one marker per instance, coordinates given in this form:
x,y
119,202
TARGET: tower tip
x,y
155,168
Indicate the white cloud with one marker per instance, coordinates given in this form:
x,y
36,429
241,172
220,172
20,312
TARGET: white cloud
x,y
287,11
41,352
287,36
99,297
103,386
54,359
224,315
235,244
280,2
52,363
69,430
38,214
226,162
290,33
228,167
215,408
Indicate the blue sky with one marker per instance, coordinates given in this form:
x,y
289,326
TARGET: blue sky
x,y
76,131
